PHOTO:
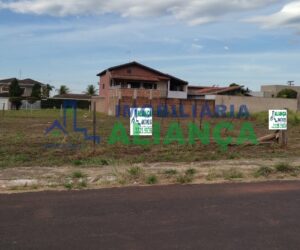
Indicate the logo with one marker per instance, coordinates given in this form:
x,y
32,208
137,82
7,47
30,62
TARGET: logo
x,y
278,119
57,127
141,121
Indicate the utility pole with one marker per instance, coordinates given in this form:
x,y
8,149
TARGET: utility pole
x,y
290,83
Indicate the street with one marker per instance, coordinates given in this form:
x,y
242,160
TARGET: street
x,y
218,216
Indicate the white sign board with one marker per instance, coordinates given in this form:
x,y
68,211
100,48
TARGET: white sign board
x,y
141,121
278,119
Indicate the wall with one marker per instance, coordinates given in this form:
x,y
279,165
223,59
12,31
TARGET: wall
x,y
257,104
170,103
5,101
273,90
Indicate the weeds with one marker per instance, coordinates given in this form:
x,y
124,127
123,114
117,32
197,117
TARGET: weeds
x,y
232,173
77,174
183,179
135,172
263,171
212,175
284,168
170,172
190,172
151,179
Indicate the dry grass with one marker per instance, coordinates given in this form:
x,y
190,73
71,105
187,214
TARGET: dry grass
x,y
23,143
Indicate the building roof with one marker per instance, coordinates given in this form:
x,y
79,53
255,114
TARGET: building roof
x,y
73,97
24,82
144,67
195,90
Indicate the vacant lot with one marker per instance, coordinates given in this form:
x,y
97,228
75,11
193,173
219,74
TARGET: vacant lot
x,y
24,145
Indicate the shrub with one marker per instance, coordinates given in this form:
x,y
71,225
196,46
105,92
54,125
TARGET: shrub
x,y
232,174
263,171
135,172
151,179
170,172
77,174
287,93
182,179
190,171
284,167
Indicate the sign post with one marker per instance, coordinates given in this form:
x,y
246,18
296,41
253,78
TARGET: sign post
x,y
141,121
278,121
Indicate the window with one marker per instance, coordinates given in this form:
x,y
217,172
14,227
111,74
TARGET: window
x,y
148,85
129,71
135,85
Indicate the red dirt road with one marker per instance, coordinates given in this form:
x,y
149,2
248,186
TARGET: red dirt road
x,y
223,216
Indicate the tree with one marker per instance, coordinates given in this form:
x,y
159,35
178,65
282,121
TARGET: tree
x,y
91,90
46,89
287,93
35,93
63,90
243,90
15,94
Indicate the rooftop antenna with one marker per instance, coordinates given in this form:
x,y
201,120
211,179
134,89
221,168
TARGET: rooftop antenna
x,y
290,83
20,73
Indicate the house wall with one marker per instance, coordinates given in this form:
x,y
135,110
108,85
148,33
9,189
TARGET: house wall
x,y
4,101
273,90
136,71
128,101
257,104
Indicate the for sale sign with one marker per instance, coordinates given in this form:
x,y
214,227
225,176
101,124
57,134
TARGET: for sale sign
x,y
278,119
141,121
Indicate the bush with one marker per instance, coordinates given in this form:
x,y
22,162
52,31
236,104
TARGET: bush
x,y
182,179
232,174
151,179
170,172
284,167
287,93
135,172
190,171
263,171
77,174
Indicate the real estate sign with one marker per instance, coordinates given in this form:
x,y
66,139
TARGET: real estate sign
x,y
278,119
141,121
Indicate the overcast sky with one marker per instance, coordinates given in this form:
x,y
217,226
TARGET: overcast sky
x,y
206,42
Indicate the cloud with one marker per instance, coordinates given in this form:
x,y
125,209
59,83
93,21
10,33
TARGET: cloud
x,y
191,11
288,16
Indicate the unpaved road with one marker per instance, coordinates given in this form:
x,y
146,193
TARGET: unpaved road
x,y
218,216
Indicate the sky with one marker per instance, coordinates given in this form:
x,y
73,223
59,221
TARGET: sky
x,y
205,42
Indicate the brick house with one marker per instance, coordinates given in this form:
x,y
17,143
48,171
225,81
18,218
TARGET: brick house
x,y
136,81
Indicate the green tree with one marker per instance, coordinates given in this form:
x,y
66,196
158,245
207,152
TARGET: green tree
x,y
46,89
287,93
63,90
35,93
15,94
91,90
243,90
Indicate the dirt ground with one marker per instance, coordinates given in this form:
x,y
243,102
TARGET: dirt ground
x,y
26,163
23,179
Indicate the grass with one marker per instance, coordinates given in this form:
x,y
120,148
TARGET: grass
x,y
135,172
151,179
190,172
232,173
19,128
77,174
263,171
284,168
170,172
68,185
184,179
212,175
